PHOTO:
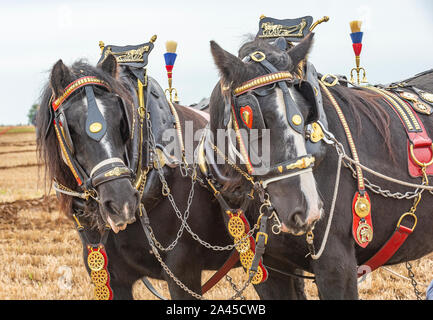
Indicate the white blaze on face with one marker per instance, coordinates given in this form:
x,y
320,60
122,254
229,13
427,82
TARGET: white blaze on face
x,y
307,182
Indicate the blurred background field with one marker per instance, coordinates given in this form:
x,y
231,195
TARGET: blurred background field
x,y
39,247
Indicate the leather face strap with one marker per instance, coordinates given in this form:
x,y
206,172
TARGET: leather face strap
x,y
96,126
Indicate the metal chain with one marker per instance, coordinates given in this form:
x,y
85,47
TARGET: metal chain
x,y
233,285
373,187
183,218
384,192
413,281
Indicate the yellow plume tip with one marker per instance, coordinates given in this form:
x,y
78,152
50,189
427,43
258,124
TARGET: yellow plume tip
x,y
171,46
355,26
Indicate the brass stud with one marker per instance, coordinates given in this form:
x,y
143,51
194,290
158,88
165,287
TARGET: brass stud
x,y
296,120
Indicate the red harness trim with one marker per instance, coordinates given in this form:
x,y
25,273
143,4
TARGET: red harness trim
x,y
387,251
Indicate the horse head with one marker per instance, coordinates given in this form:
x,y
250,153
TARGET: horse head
x,y
83,130
259,91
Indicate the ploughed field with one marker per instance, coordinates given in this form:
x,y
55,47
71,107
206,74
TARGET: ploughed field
x,y
41,253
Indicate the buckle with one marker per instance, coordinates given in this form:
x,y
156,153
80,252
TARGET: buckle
x,y
263,234
419,163
258,56
333,83
408,214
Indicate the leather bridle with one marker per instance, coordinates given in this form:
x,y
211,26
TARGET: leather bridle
x,y
285,169
106,170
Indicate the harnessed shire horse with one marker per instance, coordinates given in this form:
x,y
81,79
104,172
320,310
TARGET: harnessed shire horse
x,y
380,133
85,136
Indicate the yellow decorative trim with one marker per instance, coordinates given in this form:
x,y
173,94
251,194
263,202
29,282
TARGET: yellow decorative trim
x,y
360,177
116,172
399,104
263,80
303,163
75,85
65,154
271,30
242,146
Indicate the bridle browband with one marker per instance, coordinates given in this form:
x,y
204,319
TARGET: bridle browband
x,y
106,170
285,169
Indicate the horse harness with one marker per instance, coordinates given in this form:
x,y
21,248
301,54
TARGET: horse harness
x,y
243,111
96,127
420,159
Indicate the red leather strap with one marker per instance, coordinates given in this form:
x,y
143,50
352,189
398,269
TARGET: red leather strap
x,y
422,149
217,276
388,250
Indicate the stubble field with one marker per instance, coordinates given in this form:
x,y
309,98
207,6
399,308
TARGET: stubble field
x,y
40,251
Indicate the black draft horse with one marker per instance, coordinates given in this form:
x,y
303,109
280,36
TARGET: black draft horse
x,y
382,145
128,251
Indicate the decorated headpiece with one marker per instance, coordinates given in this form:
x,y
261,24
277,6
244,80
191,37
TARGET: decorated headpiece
x,y
170,57
356,35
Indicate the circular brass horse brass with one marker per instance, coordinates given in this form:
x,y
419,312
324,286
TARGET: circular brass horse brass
x,y
247,259
242,246
95,127
102,293
236,227
427,96
362,207
99,278
258,277
95,260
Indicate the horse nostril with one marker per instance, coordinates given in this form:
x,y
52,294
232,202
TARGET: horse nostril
x,y
296,218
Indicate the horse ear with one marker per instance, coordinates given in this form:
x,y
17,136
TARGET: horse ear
x,y
231,68
110,65
60,78
300,51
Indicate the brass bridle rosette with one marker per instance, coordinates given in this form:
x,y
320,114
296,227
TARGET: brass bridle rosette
x,y
236,227
246,259
242,244
95,260
102,292
258,277
99,278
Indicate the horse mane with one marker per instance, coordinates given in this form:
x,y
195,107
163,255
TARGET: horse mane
x,y
46,140
363,103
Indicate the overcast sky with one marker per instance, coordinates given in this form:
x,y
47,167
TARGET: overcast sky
x,y
398,40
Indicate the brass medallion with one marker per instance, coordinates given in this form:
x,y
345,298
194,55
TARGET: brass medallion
x,y
95,260
364,233
317,133
422,107
242,246
246,259
362,207
101,292
161,158
236,227
99,278
258,277
427,96
409,96
95,127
